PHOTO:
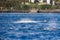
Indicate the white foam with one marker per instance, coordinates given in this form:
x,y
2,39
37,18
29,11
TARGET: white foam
x,y
25,20
51,26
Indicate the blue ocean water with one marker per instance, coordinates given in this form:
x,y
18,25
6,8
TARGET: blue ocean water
x,y
28,26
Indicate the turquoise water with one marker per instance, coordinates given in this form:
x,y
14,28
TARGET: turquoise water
x,y
28,26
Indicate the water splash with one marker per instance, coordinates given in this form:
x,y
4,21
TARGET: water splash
x,y
52,25
26,20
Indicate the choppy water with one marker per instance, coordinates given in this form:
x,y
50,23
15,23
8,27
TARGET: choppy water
x,y
17,26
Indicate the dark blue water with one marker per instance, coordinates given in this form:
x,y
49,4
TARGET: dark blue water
x,y
39,26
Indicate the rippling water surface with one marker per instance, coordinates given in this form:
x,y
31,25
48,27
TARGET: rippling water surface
x,y
39,26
